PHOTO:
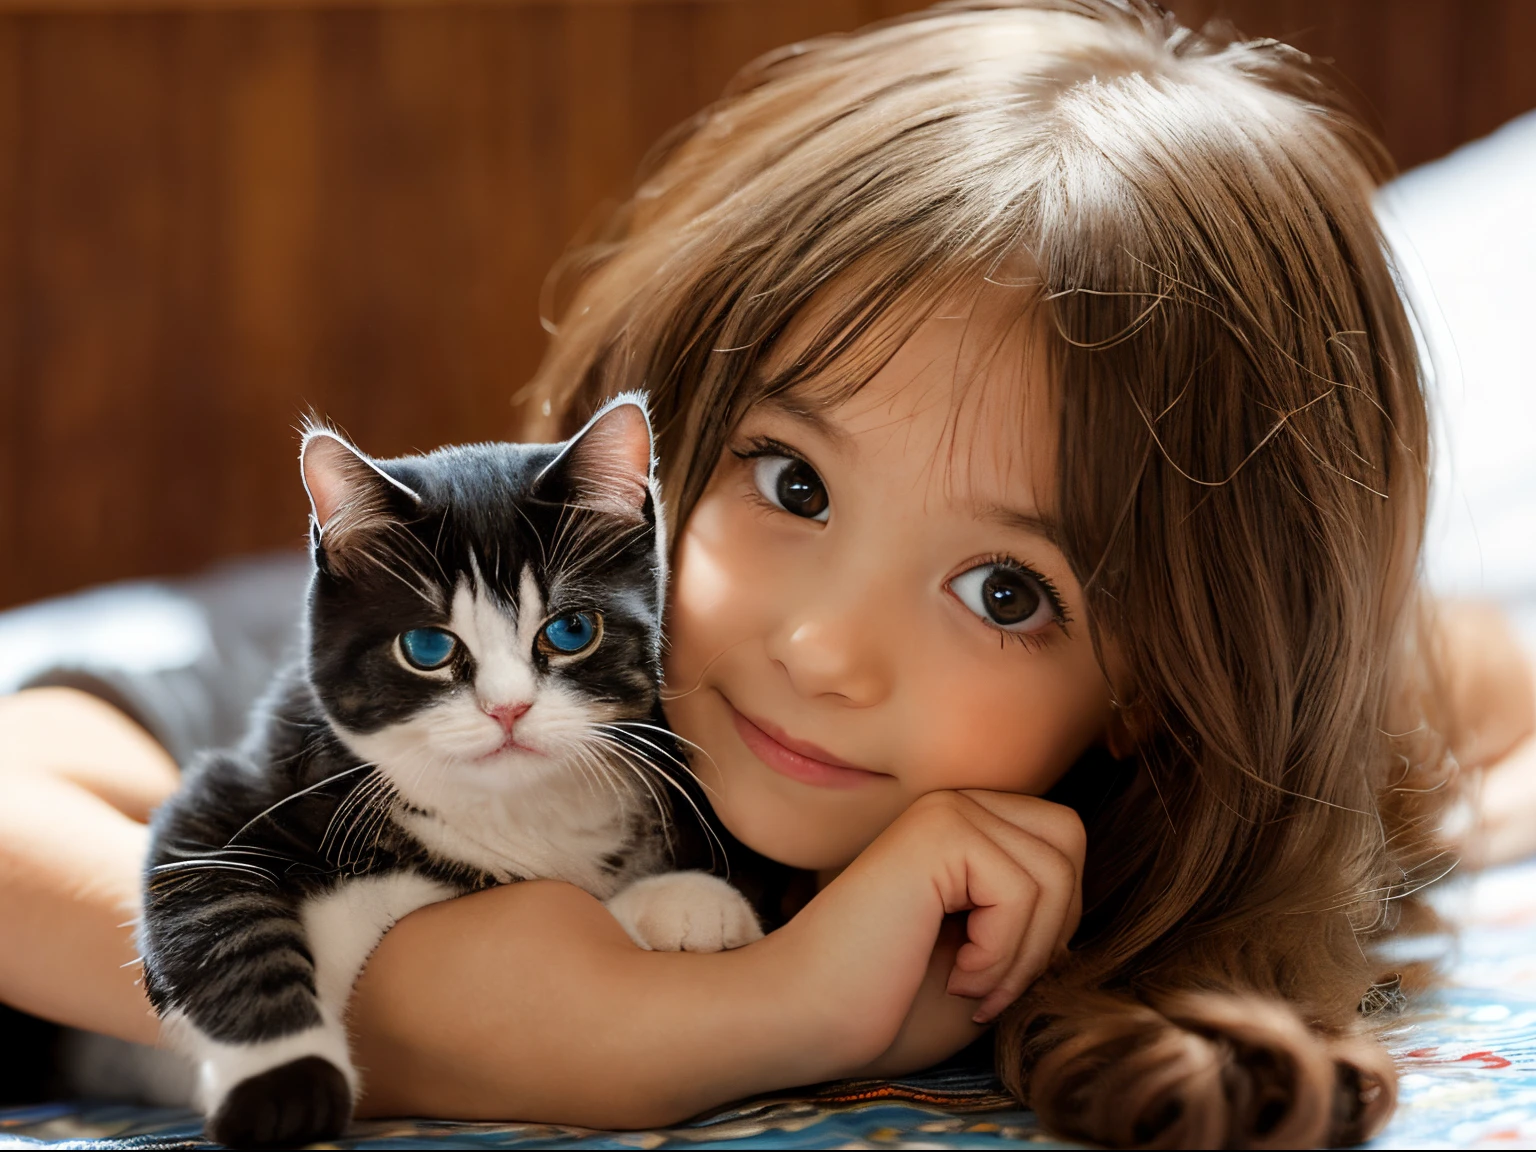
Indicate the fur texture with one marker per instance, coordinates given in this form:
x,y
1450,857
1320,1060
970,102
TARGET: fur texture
x,y
479,704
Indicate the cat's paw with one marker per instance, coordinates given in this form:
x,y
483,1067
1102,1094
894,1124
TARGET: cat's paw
x,y
685,912
295,1103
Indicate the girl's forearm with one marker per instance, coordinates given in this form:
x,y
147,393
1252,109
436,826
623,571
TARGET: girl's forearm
x,y
530,1002
67,904
75,777
524,1002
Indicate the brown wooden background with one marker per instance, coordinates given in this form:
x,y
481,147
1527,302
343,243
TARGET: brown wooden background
x,y
216,214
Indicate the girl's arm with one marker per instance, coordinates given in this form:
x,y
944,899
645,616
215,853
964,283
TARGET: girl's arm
x,y
528,1001
77,781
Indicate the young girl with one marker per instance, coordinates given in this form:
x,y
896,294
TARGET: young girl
x,y
1039,419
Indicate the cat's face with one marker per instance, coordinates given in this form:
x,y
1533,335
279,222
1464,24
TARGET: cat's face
x,y
482,617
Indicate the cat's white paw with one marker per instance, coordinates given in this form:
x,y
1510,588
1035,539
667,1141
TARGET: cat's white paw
x,y
685,912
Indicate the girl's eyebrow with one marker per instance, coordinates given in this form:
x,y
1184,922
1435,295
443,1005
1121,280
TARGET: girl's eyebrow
x,y
1035,523
813,417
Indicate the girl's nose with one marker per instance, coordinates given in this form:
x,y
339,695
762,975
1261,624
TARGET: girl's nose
x,y
829,655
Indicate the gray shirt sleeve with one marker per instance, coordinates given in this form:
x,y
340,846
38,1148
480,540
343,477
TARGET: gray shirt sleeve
x,y
184,658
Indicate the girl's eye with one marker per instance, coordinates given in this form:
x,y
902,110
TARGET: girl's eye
x,y
1006,596
792,484
569,634
428,649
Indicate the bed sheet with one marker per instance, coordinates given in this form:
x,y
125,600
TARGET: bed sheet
x,y
1467,1055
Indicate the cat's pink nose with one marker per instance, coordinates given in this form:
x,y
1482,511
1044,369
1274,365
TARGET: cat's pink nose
x,y
506,714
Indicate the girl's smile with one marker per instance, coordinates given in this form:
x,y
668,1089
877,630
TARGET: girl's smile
x,y
867,598
797,759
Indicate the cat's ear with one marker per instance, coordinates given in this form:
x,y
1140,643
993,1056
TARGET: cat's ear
x,y
607,465
350,497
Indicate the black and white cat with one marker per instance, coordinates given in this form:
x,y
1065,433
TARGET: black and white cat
x,y
479,704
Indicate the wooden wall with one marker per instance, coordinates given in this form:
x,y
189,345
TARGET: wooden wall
x,y
216,215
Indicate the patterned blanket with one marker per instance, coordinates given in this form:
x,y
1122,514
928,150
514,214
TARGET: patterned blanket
x,y
1468,1059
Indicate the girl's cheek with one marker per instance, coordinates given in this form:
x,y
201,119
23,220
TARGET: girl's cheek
x,y
1015,725
721,582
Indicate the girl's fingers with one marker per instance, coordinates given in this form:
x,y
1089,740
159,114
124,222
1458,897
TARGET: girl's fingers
x,y
993,934
1001,897
1033,954
1000,967
1055,871
1018,828
1056,824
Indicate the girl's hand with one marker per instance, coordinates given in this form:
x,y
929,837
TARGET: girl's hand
x,y
1014,863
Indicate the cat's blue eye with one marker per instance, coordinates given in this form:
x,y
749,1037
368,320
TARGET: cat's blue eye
x,y
574,632
428,649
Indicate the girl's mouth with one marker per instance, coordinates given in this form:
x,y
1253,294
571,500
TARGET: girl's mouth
x,y
797,759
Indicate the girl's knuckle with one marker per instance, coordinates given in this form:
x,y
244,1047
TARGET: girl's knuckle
x,y
1056,871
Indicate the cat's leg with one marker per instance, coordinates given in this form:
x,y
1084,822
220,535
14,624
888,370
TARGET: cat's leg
x,y
257,985
685,912
230,969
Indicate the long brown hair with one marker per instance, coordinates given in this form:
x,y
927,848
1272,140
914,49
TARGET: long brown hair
x,y
1241,485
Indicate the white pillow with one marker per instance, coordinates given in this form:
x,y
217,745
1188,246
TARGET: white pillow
x,y
1463,234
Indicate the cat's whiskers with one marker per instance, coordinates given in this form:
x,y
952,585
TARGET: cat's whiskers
x,y
623,727
176,867
588,530
670,735
588,776
384,555
580,546
437,547
618,772
573,522
267,811
370,825
377,814
615,776
633,758
373,826
593,767
364,804
345,810
535,534
600,548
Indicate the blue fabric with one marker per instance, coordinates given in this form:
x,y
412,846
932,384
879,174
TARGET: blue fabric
x,y
1467,1056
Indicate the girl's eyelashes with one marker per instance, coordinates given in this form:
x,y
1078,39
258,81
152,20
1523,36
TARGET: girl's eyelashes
x,y
1011,597
785,481
1007,594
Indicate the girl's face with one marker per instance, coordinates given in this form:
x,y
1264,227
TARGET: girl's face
x,y
867,604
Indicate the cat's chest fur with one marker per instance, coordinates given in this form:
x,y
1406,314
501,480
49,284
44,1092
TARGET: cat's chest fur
x,y
596,838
